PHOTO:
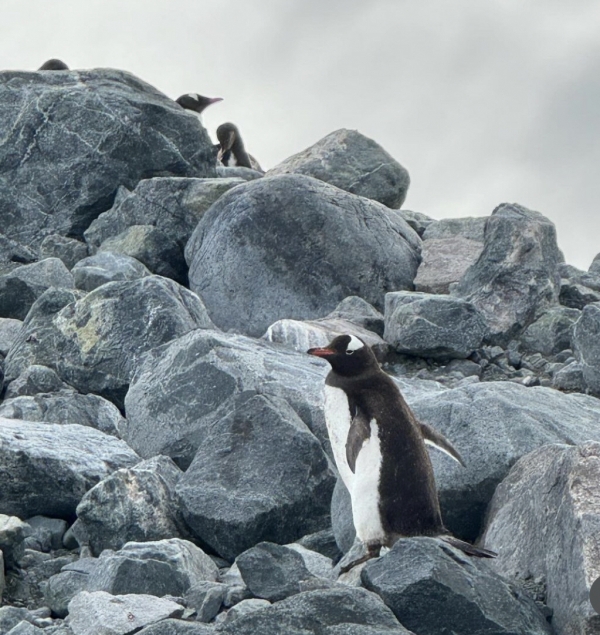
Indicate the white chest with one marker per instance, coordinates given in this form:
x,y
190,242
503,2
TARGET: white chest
x,y
338,419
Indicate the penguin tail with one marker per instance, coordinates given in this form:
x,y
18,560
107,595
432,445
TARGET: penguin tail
x,y
468,549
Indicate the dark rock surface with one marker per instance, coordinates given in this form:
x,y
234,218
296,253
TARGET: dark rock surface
x,y
33,380
60,171
549,501
69,250
104,267
95,343
131,504
427,325
586,346
359,312
340,611
435,590
250,272
258,475
45,534
9,329
516,276
62,587
47,468
552,332
352,162
20,288
180,391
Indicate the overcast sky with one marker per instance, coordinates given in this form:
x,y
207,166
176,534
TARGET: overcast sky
x,y
483,102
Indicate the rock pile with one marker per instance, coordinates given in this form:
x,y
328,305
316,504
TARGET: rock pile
x,y
164,463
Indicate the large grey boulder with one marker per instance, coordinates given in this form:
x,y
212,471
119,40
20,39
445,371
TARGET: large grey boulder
x,y
543,521
338,611
586,346
258,475
104,267
352,162
428,325
69,250
435,589
293,247
172,205
552,332
96,342
61,171
164,567
65,407
515,278
47,468
100,613
20,288
182,390
131,504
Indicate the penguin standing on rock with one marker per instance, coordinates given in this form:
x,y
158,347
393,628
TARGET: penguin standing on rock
x,y
232,151
379,449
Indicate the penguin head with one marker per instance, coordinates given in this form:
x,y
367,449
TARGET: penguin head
x,y
196,102
227,133
347,354
53,65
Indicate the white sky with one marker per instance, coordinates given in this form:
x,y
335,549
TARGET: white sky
x,y
483,102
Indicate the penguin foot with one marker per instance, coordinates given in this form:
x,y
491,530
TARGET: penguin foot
x,y
358,554
468,549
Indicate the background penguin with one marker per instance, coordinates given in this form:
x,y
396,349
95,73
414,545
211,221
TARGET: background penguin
x,y
53,65
379,449
196,102
232,151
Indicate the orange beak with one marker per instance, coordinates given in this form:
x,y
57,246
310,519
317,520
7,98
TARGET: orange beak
x,y
321,352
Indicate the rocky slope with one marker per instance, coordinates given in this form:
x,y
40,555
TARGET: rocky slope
x,y
164,463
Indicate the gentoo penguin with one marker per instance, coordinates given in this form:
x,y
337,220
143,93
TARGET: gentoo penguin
x,y
379,449
232,151
195,102
53,65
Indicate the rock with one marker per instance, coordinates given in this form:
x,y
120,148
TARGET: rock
x,y
575,295
163,567
343,611
359,312
421,573
570,378
587,347
95,342
206,598
341,517
272,572
13,253
313,333
9,330
595,266
20,288
318,564
240,172
45,534
10,616
104,267
12,536
471,228
418,221
46,468
551,333
444,261
182,390
65,407
25,628
543,520
352,162
171,205
100,613
69,250
322,542
62,171
493,424
64,586
516,276
33,380
259,475
153,248
176,627
250,274
131,504
2,578
245,607
432,326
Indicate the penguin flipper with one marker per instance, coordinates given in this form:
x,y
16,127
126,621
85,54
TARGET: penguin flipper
x,y
468,549
438,440
360,431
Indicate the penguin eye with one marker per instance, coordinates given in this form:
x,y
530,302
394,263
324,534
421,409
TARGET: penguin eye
x,y
349,352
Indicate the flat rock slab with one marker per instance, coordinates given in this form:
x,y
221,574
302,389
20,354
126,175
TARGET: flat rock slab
x,y
352,162
47,468
435,589
340,611
62,170
101,613
543,521
181,390
291,246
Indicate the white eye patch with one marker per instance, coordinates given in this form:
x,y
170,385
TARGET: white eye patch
x,y
354,344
